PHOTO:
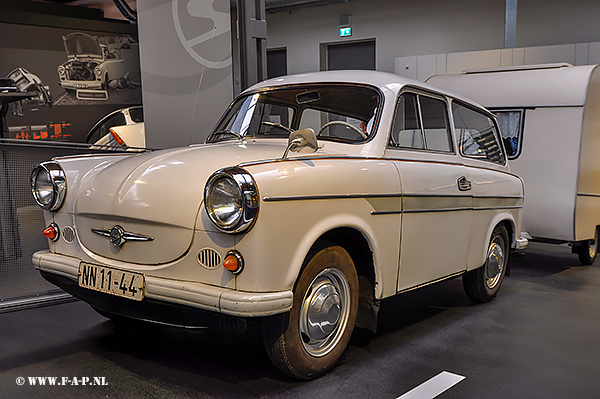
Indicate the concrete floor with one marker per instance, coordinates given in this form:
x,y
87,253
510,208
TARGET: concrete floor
x,y
538,339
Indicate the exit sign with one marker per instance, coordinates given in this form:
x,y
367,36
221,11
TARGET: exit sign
x,y
345,32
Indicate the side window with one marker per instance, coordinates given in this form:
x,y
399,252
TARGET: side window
x,y
406,132
421,122
510,123
435,124
477,134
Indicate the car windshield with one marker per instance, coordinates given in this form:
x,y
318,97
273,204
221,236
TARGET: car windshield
x,y
346,113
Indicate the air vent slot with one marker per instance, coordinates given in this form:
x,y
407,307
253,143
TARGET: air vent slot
x,y
209,258
68,234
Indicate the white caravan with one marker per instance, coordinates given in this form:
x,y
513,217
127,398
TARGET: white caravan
x,y
550,121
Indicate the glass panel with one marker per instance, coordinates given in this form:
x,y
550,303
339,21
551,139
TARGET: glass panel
x,y
102,129
137,114
510,124
406,131
338,112
435,124
478,136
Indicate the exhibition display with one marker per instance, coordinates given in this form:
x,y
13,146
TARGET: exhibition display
x,y
315,196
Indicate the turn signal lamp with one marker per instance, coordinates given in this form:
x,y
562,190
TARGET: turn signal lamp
x,y
52,232
234,262
117,138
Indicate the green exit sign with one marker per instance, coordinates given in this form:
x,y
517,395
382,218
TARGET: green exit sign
x,y
345,32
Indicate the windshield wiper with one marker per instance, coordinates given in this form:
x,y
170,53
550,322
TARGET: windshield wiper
x,y
226,132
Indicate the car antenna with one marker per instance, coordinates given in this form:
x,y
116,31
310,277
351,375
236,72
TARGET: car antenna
x,y
199,85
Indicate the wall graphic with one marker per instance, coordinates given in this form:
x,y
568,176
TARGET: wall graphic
x,y
75,78
186,60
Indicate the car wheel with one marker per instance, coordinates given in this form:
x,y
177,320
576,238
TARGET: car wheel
x,y
310,340
588,250
482,284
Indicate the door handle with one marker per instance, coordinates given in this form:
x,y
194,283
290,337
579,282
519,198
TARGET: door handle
x,y
463,183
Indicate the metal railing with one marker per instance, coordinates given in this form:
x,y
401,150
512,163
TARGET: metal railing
x,y
22,222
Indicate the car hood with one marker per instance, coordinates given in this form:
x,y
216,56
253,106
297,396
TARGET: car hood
x,y
158,195
82,45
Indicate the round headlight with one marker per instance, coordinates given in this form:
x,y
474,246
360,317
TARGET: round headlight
x,y
48,185
98,71
231,200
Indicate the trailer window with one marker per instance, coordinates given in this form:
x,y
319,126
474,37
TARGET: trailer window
x,y
478,137
510,123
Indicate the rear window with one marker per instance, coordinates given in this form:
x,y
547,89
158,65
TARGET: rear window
x,y
477,134
137,114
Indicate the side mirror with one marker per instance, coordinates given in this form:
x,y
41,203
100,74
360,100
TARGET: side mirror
x,y
303,141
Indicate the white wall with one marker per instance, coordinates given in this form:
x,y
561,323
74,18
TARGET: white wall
x,y
402,28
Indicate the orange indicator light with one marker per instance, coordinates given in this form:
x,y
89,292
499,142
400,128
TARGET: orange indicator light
x,y
51,232
234,262
117,137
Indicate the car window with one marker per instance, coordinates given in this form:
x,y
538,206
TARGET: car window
x,y
101,130
510,123
136,114
478,137
334,111
421,122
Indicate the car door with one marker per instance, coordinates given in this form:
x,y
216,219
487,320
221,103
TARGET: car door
x,y
494,190
437,199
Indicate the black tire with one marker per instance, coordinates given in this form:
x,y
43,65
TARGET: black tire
x,y
483,283
588,250
306,350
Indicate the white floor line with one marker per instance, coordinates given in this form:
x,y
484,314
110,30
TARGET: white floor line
x,y
434,386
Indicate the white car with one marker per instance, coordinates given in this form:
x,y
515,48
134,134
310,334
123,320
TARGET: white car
x,y
89,64
121,129
316,196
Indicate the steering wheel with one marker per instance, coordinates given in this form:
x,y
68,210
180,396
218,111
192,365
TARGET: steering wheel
x,y
357,130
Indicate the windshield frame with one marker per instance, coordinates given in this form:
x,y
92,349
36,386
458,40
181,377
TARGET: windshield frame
x,y
299,107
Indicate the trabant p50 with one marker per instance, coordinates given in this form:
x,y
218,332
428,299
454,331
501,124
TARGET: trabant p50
x,y
314,197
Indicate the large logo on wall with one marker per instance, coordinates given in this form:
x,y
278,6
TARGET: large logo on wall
x,y
203,27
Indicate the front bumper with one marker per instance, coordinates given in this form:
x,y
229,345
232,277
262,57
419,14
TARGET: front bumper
x,y
80,84
187,293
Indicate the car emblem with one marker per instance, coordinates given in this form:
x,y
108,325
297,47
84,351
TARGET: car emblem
x,y
118,236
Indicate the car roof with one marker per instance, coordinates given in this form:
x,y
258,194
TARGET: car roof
x,y
383,80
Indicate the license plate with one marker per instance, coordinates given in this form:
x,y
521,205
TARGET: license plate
x,y
112,281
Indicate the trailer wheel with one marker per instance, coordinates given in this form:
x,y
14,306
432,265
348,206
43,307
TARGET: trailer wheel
x,y
482,284
588,250
310,340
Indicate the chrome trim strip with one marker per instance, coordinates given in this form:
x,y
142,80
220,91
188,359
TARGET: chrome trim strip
x,y
327,197
438,210
498,208
375,213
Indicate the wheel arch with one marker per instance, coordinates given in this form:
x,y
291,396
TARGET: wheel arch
x,y
508,221
358,245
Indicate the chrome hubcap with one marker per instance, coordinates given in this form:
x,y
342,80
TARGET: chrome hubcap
x,y
324,312
593,248
494,264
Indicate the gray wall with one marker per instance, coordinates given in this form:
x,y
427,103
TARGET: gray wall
x,y
185,55
402,28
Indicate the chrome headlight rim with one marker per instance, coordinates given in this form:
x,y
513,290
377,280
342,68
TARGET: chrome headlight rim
x,y
249,198
57,179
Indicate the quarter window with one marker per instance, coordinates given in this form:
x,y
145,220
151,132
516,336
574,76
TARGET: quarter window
x,y
478,137
421,122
